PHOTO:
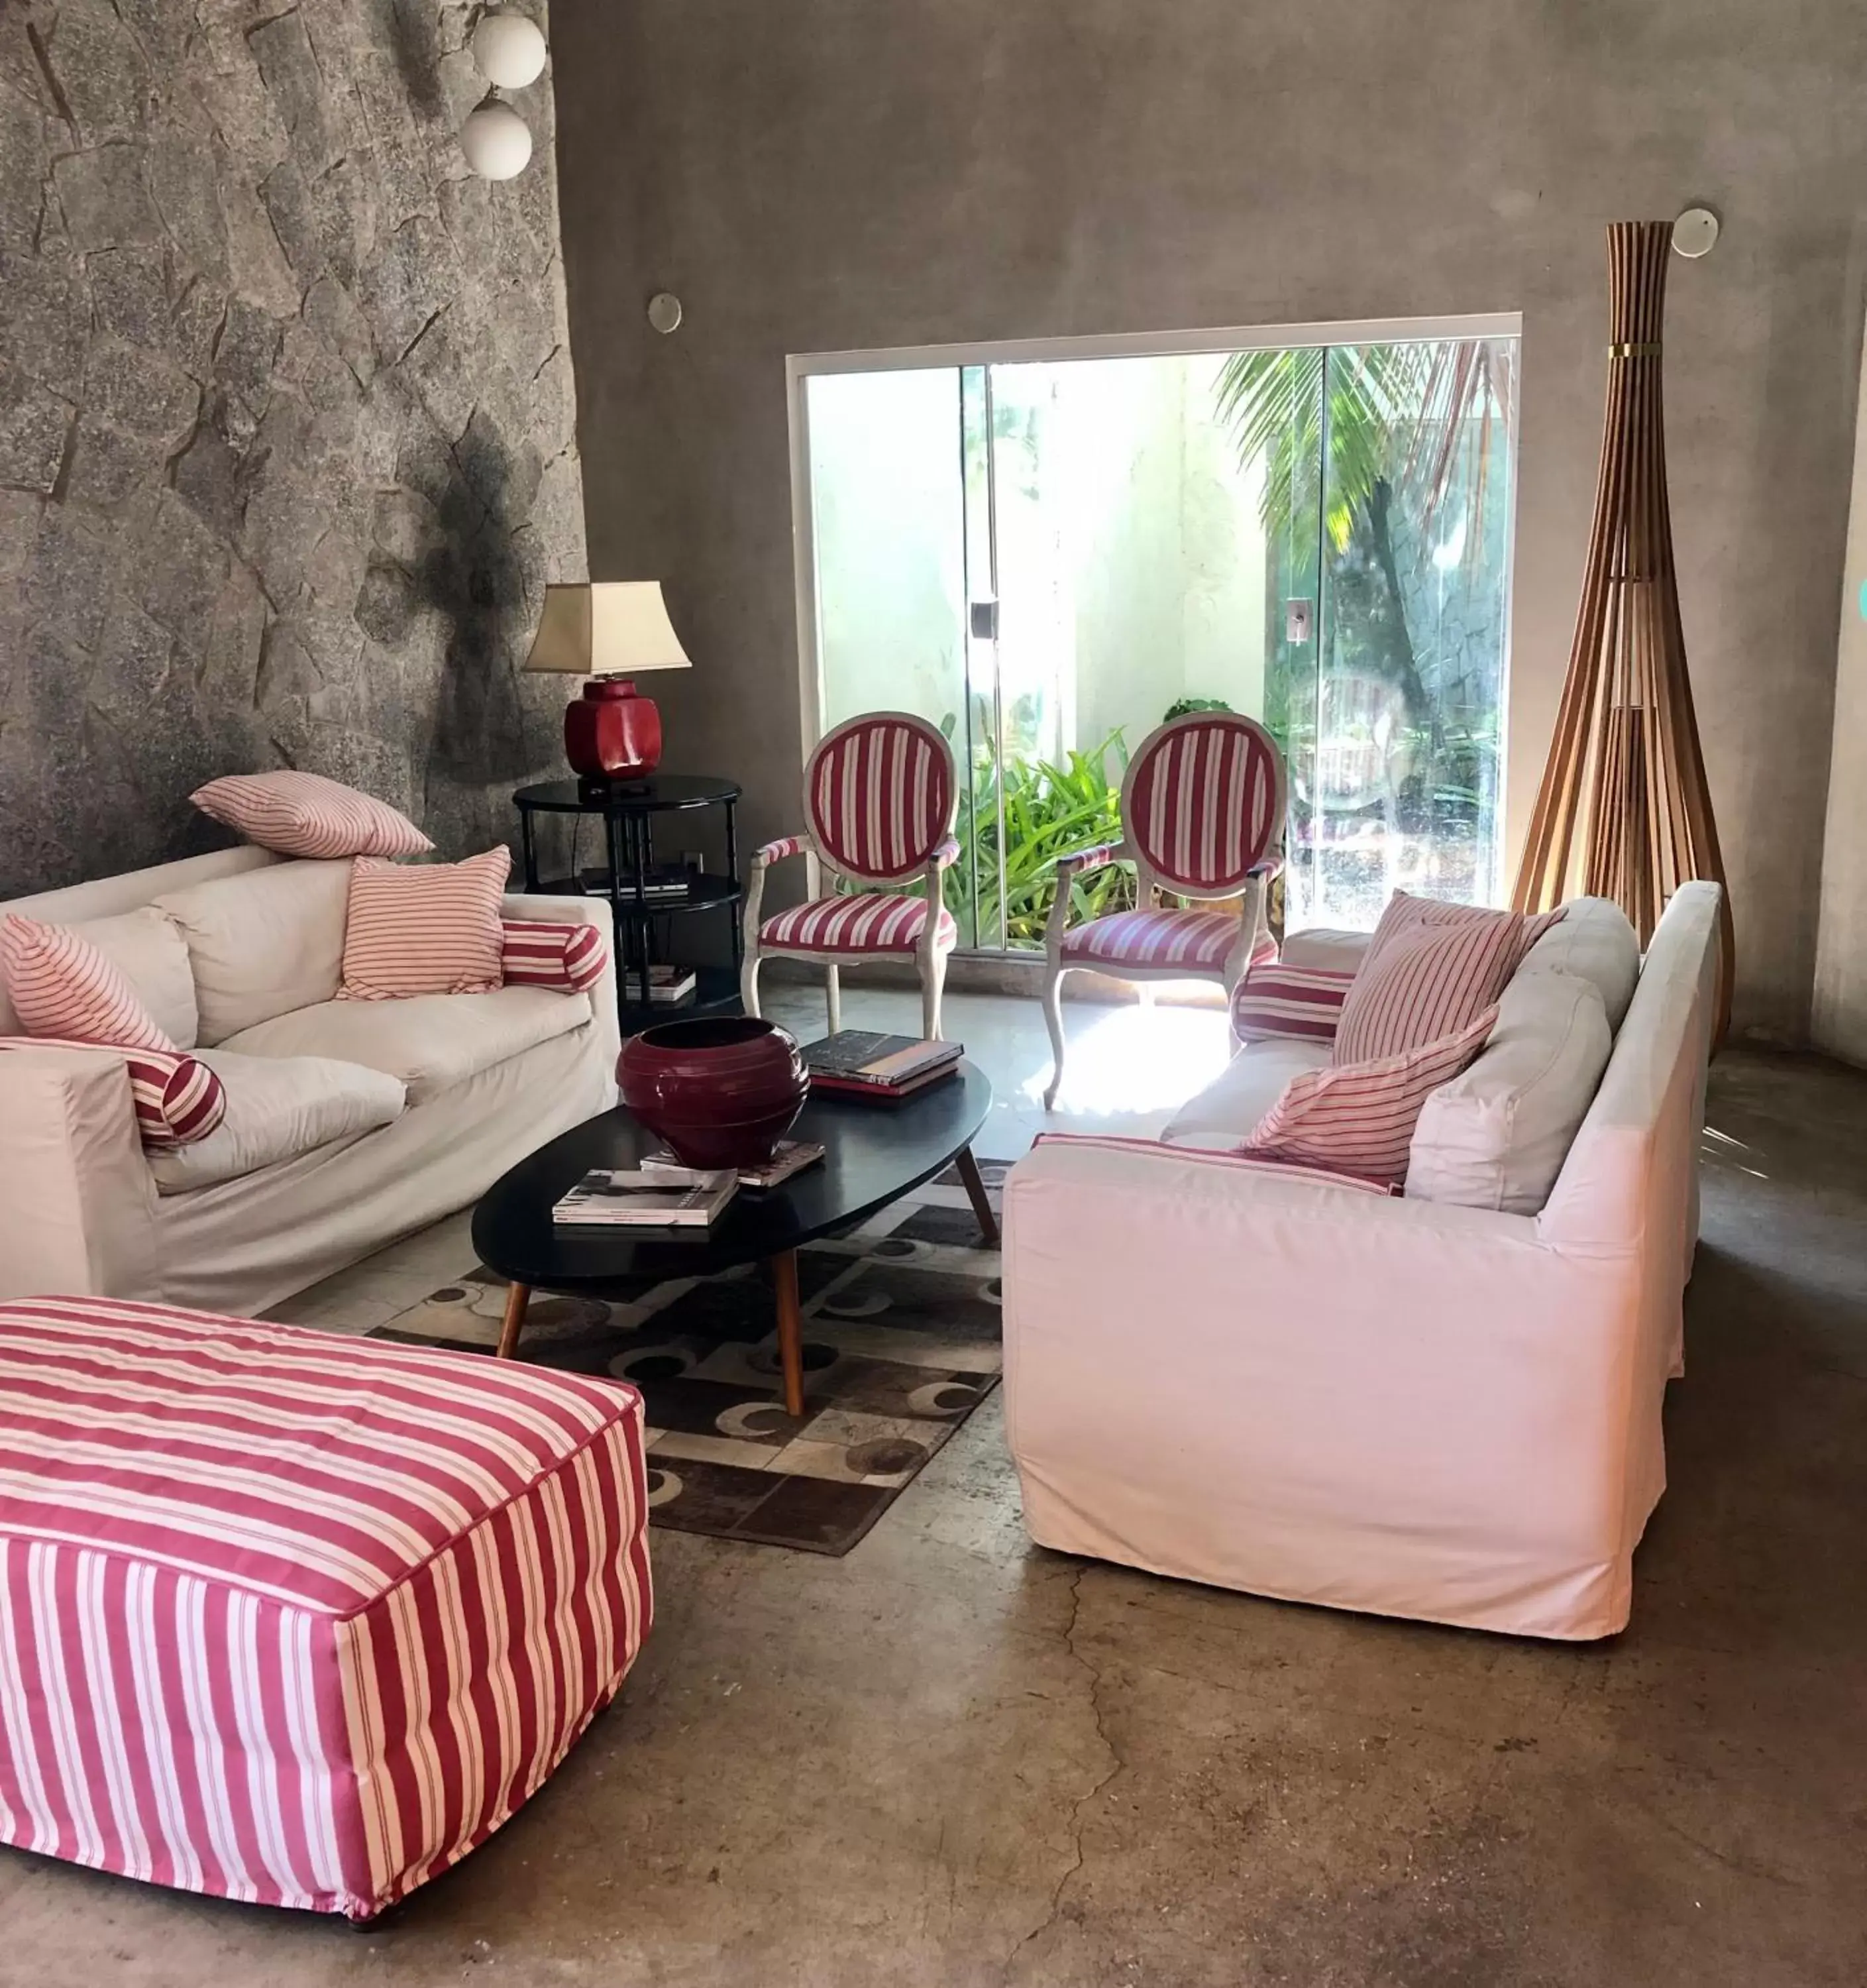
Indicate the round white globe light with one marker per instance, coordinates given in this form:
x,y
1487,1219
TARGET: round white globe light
x,y
508,49
1695,233
497,141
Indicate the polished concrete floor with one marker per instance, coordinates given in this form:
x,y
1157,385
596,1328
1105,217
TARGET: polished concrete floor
x,y
952,1759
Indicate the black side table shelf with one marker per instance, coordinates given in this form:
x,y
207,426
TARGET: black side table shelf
x,y
627,810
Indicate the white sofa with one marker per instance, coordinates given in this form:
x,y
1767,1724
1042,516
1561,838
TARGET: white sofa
x,y
348,1123
1403,1406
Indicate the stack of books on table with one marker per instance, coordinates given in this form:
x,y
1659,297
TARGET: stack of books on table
x,y
882,1070
670,986
637,1197
663,883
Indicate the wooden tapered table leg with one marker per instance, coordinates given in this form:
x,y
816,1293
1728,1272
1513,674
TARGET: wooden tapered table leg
x,y
790,1330
976,1194
516,1298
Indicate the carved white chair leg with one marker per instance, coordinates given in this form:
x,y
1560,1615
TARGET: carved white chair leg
x,y
1053,1020
933,980
832,994
748,985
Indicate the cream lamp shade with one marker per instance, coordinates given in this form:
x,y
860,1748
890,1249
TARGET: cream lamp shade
x,y
607,627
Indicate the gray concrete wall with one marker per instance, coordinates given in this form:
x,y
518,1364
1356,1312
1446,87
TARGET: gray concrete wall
x,y
287,444
836,174
1841,958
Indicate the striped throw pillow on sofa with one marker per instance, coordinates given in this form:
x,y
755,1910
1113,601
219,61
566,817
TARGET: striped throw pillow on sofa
x,y
177,1098
1429,970
570,958
1303,1002
424,927
1359,1118
60,985
305,814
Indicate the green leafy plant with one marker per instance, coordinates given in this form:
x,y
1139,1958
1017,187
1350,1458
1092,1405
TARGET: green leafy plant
x,y
1050,810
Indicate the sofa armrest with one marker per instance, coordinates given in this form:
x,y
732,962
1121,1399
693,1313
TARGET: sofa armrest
x,y
1285,1384
77,1199
580,911
1321,951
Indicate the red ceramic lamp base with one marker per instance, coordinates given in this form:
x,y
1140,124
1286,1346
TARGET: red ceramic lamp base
x,y
611,733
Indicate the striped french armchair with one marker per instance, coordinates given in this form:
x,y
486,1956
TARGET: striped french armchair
x,y
1202,820
880,793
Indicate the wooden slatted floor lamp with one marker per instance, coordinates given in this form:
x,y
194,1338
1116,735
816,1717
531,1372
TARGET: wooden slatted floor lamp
x,y
1623,811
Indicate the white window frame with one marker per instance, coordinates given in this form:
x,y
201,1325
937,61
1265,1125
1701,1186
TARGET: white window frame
x,y
801,367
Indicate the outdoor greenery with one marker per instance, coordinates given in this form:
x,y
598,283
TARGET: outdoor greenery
x,y
1404,437
1049,811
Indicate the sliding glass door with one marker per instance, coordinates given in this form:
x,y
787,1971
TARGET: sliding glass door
x,y
1047,558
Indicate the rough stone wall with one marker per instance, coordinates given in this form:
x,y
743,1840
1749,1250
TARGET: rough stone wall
x,y
287,445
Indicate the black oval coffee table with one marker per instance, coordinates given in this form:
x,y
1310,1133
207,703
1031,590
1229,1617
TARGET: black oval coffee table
x,y
873,1154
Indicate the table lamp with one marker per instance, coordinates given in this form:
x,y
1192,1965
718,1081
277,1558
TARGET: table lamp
x,y
610,631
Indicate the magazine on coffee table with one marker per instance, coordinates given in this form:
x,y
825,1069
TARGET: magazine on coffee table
x,y
792,1157
634,1197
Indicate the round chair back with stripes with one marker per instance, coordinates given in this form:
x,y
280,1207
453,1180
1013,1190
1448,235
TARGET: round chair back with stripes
x,y
880,793
1203,803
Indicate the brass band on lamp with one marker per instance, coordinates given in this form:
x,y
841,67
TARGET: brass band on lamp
x,y
610,631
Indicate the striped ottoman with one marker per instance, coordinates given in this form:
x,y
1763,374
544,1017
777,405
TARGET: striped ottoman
x,y
292,1618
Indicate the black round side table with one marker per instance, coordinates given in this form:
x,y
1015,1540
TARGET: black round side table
x,y
638,895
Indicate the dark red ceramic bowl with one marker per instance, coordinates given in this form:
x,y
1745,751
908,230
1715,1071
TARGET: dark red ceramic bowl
x,y
722,1093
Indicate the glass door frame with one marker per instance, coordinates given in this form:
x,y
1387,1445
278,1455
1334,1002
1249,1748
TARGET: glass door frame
x,y
800,367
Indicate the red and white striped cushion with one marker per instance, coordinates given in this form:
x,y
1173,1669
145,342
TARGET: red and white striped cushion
x,y
424,927
1359,1118
1425,977
1303,1002
1202,800
60,985
305,814
1198,941
296,1619
176,1097
873,922
880,794
1404,911
569,959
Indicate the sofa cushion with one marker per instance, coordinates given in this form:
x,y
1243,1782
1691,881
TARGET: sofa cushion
x,y
148,950
1359,1118
1221,1117
263,943
429,1041
1496,1136
1596,941
277,1108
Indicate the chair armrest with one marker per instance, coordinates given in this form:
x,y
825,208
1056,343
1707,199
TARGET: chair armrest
x,y
946,853
785,845
580,911
1268,867
1079,861
77,1200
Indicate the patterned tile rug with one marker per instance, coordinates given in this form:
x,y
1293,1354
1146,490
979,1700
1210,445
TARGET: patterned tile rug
x,y
901,1343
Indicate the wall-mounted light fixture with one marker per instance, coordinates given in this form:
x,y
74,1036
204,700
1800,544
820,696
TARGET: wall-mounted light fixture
x,y
509,50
